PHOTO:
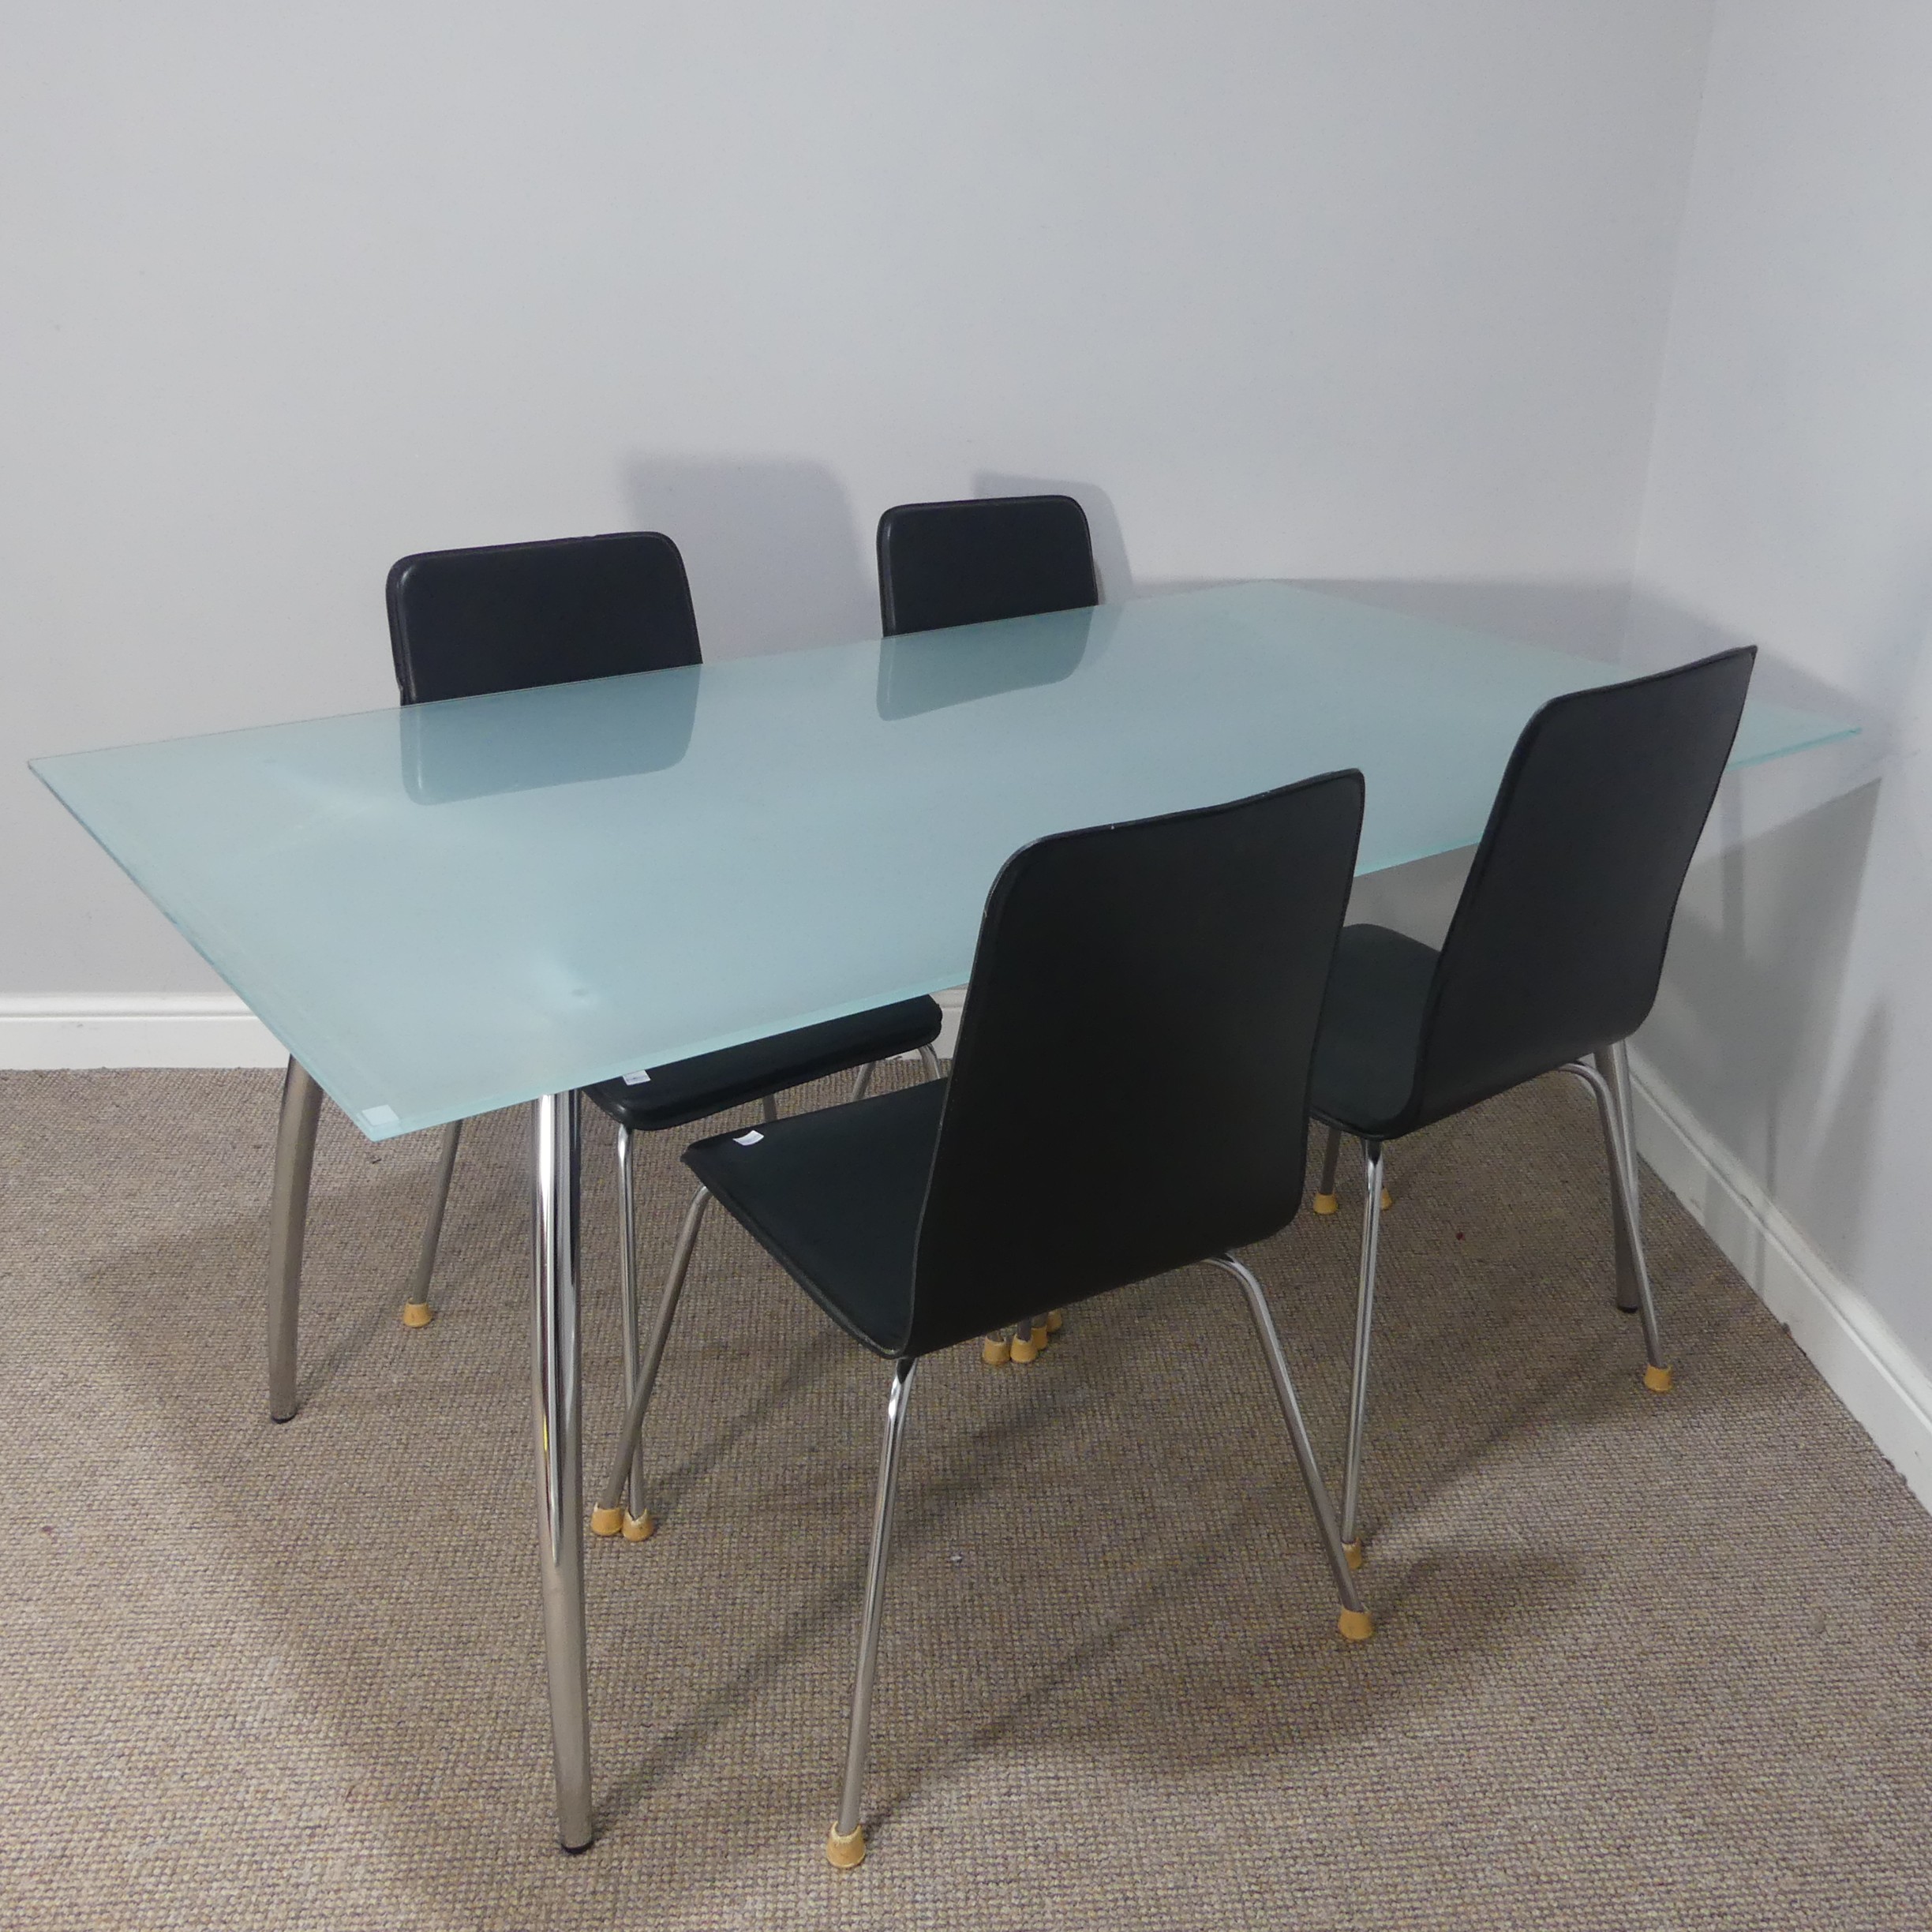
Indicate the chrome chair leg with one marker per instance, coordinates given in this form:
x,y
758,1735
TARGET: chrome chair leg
x,y
1364,1323
1024,1344
1619,1078
1614,1066
416,1312
609,1517
1326,1201
862,1079
1657,1372
288,1219
929,1060
1029,1339
557,1383
1355,1623
846,1847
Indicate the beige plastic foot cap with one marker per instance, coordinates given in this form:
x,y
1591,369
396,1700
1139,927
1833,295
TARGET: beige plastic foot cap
x,y
1388,1200
1042,1334
637,1528
606,1522
1657,1379
1025,1347
417,1314
1356,1626
1353,1552
1327,1204
1056,1320
995,1352
846,1849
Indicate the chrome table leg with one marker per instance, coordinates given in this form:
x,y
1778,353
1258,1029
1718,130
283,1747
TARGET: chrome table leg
x,y
556,1365
288,1219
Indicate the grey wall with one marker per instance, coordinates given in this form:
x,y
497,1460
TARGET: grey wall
x,y
1300,288
1790,504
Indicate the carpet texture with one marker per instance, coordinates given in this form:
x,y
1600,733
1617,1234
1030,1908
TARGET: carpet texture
x,y
1643,1661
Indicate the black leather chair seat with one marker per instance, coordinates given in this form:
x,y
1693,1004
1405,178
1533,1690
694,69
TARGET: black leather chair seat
x,y
1372,1031
836,1197
690,1090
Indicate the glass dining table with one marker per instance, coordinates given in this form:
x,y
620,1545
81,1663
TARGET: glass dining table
x,y
496,901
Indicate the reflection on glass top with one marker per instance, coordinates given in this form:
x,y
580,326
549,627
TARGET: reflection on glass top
x,y
448,908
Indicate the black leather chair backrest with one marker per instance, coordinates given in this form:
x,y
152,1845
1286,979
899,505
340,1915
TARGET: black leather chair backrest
x,y
1198,946
982,559
1557,944
507,616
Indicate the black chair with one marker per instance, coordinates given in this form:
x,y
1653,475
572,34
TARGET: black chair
x,y
921,1218
508,616
975,560
981,558
1550,963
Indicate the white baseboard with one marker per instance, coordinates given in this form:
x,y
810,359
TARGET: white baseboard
x,y
133,1030
1868,1367
182,1030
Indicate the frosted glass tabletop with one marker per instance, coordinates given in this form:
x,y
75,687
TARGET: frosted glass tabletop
x,y
451,908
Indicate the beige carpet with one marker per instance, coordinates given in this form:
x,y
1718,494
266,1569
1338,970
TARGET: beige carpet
x,y
1642,1662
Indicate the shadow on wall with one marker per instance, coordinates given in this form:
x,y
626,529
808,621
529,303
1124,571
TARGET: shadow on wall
x,y
1748,1024
1585,616
773,549
1660,633
1610,621
1744,1027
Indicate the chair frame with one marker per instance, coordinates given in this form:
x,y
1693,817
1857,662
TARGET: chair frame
x,y
1608,1078
953,1322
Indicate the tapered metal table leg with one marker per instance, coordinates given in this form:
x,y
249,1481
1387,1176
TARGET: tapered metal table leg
x,y
288,1219
556,1365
